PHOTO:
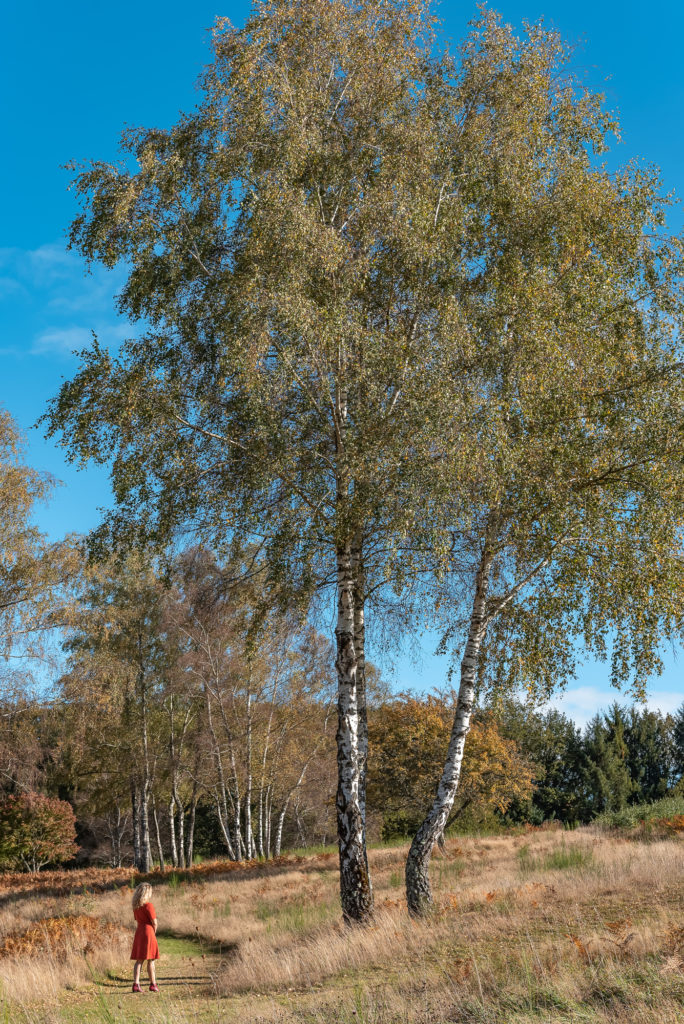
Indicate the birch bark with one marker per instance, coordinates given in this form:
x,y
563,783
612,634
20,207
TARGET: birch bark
x,y
418,890
360,649
221,798
190,849
135,813
172,832
249,839
160,848
355,885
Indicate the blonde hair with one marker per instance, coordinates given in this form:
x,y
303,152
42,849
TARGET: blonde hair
x,y
142,894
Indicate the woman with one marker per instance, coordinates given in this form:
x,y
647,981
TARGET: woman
x,y
145,941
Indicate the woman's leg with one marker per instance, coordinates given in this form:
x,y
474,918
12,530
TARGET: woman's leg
x,y
136,971
151,972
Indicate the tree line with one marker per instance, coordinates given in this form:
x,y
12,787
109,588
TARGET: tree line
x,y
403,342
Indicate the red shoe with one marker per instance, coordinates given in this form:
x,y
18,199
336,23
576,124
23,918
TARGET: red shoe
x,y
136,988
154,988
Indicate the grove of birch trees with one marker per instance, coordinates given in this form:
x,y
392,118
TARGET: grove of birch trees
x,y
400,335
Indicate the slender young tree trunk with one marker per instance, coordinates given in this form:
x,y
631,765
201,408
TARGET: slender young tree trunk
x,y
116,832
279,827
135,811
264,838
356,892
181,831
157,833
172,801
172,832
221,798
190,849
418,890
145,842
248,787
267,817
260,833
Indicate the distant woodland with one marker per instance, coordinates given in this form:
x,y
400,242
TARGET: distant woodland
x,y
178,717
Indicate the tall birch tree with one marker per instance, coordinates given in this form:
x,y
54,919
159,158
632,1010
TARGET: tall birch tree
x,y
290,253
574,541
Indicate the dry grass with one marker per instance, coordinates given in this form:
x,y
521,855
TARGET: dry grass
x,y
543,927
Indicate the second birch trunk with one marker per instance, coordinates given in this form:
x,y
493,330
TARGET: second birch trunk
x,y
418,890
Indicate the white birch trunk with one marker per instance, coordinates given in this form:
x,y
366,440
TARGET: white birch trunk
x,y
418,890
360,649
135,812
157,833
181,831
221,799
279,828
267,817
356,892
172,832
145,843
249,839
190,850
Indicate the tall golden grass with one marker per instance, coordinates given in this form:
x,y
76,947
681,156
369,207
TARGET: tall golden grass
x,y
549,926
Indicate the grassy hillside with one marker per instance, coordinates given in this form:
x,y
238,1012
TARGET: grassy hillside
x,y
546,926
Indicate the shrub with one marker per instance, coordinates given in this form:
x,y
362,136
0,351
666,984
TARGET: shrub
x,y
642,815
36,830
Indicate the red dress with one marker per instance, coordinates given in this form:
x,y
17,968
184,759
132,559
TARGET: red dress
x,y
145,941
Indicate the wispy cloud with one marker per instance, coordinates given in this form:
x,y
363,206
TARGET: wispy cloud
x,y
68,340
63,341
51,305
581,703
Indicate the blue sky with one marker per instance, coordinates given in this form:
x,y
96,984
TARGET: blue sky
x,y
72,75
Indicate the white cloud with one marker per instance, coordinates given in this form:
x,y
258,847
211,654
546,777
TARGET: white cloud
x,y
581,703
62,340
51,305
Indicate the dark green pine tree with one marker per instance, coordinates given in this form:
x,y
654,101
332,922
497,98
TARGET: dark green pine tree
x,y
678,746
651,754
553,743
608,780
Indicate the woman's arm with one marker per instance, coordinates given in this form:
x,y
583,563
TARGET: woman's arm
x,y
152,915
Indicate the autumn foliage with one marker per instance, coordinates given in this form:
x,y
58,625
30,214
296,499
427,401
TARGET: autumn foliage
x,y
408,739
60,936
36,830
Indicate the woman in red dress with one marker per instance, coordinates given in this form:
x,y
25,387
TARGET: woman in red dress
x,y
145,942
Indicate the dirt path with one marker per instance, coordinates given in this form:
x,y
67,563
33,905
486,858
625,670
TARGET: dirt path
x,y
177,975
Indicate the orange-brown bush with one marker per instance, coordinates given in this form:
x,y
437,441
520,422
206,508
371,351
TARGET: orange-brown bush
x,y
61,936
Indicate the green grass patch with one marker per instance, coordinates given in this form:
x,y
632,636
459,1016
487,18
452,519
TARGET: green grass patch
x,y
298,917
173,944
223,909
563,858
445,872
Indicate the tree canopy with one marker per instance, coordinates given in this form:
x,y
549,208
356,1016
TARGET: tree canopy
x,y
402,330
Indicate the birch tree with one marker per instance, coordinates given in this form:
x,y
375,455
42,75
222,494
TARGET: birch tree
x,y
35,574
574,541
117,667
289,250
